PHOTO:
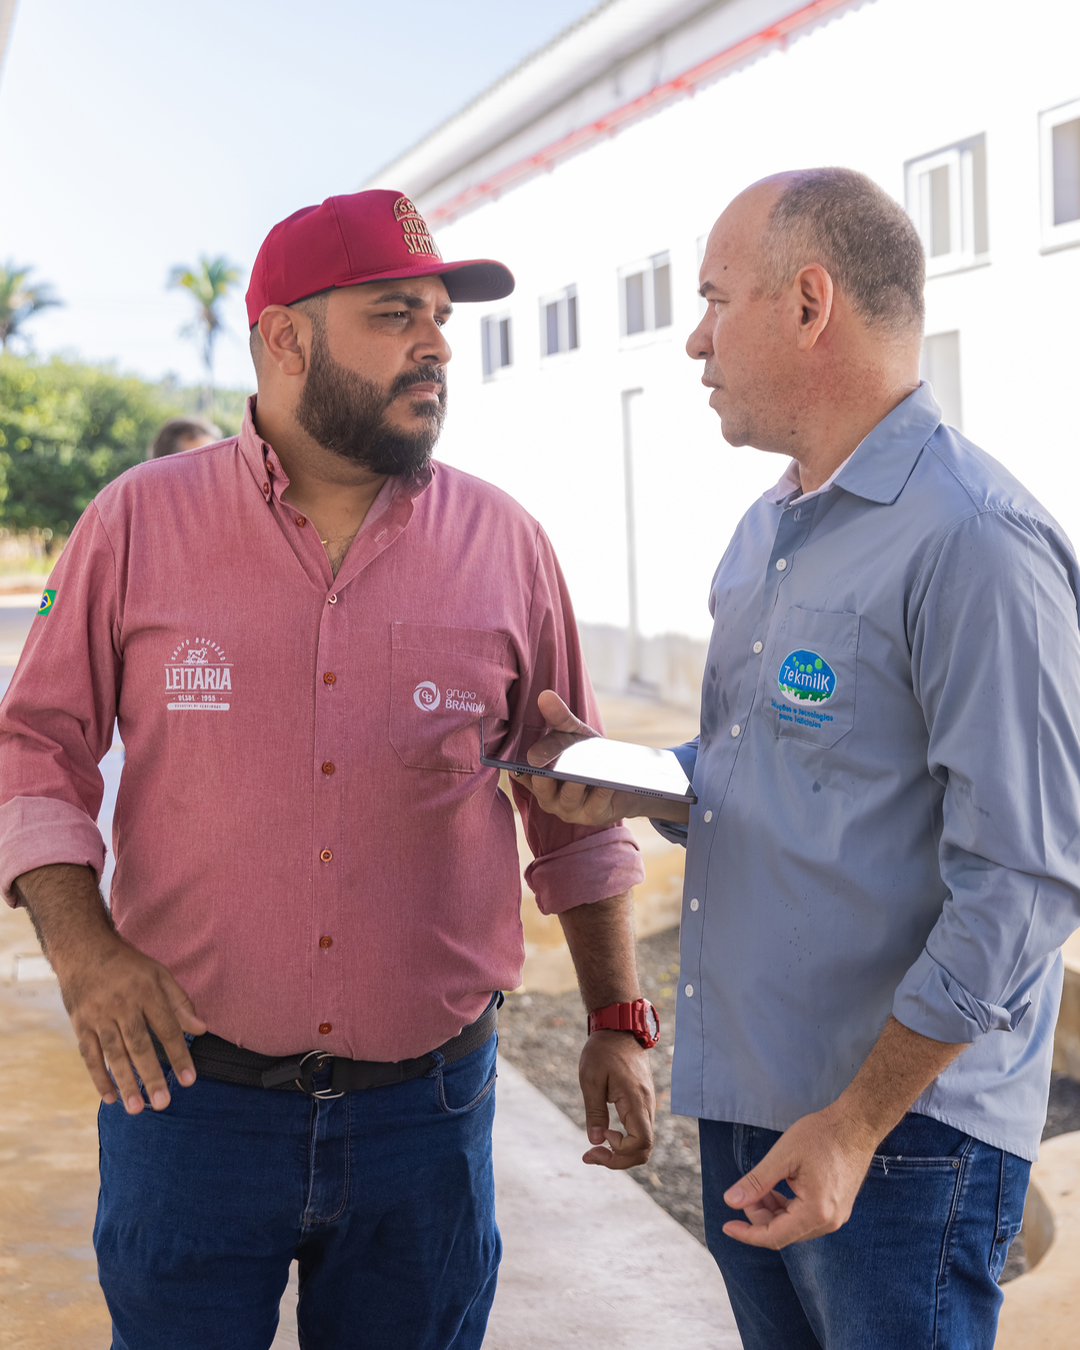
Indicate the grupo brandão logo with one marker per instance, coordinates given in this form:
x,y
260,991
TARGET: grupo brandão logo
x,y
806,677
426,695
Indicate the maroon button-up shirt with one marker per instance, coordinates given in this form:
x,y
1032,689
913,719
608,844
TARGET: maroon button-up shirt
x,y
304,833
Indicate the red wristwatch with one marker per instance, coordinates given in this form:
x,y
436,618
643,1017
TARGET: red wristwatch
x,y
639,1017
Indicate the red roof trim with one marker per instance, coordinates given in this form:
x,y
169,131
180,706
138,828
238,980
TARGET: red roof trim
x,y
610,123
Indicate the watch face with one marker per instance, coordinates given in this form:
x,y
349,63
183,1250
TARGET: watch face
x,y
652,1022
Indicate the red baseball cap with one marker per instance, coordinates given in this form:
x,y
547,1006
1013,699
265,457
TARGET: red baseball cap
x,y
357,237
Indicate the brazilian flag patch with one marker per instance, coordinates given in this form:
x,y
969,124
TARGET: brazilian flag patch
x,y
47,600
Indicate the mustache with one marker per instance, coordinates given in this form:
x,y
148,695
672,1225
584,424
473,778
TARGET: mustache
x,y
421,375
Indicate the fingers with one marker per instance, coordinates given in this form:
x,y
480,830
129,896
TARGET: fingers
x,y
94,1059
760,1180
594,1094
112,1021
557,715
625,1150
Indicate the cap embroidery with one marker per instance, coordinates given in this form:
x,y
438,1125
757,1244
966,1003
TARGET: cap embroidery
x,y
417,235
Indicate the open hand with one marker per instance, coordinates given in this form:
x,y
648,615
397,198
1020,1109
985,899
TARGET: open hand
x,y
113,995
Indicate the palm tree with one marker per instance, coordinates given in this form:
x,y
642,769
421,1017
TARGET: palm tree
x,y
18,299
208,283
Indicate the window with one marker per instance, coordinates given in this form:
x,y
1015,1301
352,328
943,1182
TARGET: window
x,y
645,295
495,343
1059,138
940,367
946,198
559,322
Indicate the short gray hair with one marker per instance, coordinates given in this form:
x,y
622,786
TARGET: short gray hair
x,y
859,234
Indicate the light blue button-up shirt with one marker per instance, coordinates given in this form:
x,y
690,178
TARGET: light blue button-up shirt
x,y
888,783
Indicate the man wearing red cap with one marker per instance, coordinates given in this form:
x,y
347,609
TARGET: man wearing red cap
x,y
316,893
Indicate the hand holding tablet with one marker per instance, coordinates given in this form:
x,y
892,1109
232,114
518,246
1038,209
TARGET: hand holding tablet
x,y
586,779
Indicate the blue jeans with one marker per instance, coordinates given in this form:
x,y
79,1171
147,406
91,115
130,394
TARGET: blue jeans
x,y
385,1198
914,1268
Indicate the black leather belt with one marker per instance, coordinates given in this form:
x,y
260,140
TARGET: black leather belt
x,y
229,1063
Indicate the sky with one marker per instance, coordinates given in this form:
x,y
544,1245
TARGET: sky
x,y
135,136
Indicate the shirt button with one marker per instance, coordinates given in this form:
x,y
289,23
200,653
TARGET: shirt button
x,y
301,520
329,677
757,649
325,1028
328,767
689,991
326,855
331,599
694,904
326,942
707,817
781,564
266,487
736,729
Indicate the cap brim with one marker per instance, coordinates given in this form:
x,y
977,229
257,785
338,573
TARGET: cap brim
x,y
476,279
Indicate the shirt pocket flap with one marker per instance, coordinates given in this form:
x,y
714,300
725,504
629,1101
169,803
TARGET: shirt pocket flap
x,y
443,681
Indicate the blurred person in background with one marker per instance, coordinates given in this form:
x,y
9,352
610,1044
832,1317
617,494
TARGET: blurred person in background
x,y
883,860
317,890
183,433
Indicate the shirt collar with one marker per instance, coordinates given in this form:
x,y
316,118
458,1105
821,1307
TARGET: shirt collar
x,y
881,463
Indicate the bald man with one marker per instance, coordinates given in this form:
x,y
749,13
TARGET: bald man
x,y
883,860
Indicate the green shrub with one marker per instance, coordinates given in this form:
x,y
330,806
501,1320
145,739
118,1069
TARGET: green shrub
x,y
67,429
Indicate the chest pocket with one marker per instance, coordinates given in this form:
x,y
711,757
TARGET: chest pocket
x,y
443,681
810,675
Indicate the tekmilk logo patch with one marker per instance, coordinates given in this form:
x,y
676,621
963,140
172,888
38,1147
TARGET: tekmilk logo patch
x,y
48,599
806,677
198,678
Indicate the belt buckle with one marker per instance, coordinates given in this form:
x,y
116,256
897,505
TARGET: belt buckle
x,y
321,1058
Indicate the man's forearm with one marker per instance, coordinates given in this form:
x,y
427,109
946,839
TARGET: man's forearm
x,y
65,907
897,1070
601,941
613,1066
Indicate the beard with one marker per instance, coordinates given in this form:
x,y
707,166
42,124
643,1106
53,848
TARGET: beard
x,y
346,414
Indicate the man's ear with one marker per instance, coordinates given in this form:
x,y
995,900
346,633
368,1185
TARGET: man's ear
x,y
286,336
813,293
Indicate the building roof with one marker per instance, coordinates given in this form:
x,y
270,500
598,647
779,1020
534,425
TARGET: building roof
x,y
588,49
622,61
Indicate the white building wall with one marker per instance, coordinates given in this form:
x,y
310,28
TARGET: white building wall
x,y
873,88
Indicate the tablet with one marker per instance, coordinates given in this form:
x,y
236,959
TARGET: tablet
x,y
593,760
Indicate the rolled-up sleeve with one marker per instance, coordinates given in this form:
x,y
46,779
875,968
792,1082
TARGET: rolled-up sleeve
x,y
996,668
572,864
57,716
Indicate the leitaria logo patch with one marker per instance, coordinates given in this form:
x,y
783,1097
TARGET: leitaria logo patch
x,y
426,696
806,677
48,599
198,678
